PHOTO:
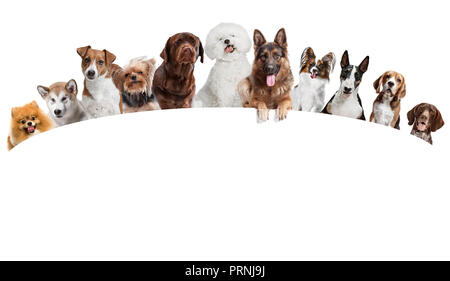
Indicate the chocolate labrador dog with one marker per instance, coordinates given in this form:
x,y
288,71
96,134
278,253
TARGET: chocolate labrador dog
x,y
174,82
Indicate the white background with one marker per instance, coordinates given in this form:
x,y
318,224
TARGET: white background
x,y
213,184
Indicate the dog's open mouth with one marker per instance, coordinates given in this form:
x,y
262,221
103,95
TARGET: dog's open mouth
x,y
389,91
30,129
229,49
421,126
347,94
270,79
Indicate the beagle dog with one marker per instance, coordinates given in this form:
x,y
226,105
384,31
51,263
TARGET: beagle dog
x,y
425,119
391,88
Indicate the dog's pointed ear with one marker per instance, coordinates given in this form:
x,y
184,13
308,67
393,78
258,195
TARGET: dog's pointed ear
x,y
307,55
34,103
258,39
280,38
330,59
43,91
13,111
344,60
364,64
82,51
438,122
72,87
377,84
166,51
109,57
412,114
201,50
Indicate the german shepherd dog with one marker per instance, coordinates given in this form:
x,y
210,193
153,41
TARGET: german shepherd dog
x,y
270,83
346,101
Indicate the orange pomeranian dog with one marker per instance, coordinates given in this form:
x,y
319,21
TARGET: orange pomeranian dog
x,y
27,121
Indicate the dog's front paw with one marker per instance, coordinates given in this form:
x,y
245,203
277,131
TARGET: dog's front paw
x,y
282,113
263,114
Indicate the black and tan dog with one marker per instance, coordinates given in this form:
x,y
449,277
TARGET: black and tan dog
x,y
425,119
270,83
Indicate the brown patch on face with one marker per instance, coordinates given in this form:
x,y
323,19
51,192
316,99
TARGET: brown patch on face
x,y
308,60
103,59
70,88
398,91
183,48
425,117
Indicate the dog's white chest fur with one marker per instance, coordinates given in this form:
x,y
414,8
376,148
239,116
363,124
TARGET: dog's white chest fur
x,y
220,89
383,113
310,93
348,107
105,97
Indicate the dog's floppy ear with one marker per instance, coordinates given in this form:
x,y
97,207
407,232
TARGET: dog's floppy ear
x,y
109,57
258,39
43,91
412,114
307,55
72,87
438,122
377,83
330,59
82,51
364,64
280,38
166,51
201,50
344,60
402,90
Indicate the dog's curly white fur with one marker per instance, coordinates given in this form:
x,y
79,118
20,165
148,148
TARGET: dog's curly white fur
x,y
228,44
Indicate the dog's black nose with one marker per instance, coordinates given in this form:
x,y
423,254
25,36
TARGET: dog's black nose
x,y
227,41
133,77
29,124
57,111
91,73
391,84
347,89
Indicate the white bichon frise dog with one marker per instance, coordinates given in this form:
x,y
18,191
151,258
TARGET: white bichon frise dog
x,y
228,44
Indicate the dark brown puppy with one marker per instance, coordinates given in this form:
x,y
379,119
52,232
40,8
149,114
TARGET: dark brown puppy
x,y
425,119
270,83
174,82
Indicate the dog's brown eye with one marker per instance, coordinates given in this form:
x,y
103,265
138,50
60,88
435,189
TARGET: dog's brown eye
x,y
100,62
23,121
87,60
140,72
399,80
64,99
263,57
53,100
128,74
33,118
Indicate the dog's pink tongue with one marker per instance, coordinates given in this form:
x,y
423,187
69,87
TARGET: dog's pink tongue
x,y
270,79
421,127
313,75
30,130
228,49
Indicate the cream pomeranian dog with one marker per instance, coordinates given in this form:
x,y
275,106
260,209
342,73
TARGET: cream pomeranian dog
x,y
228,44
